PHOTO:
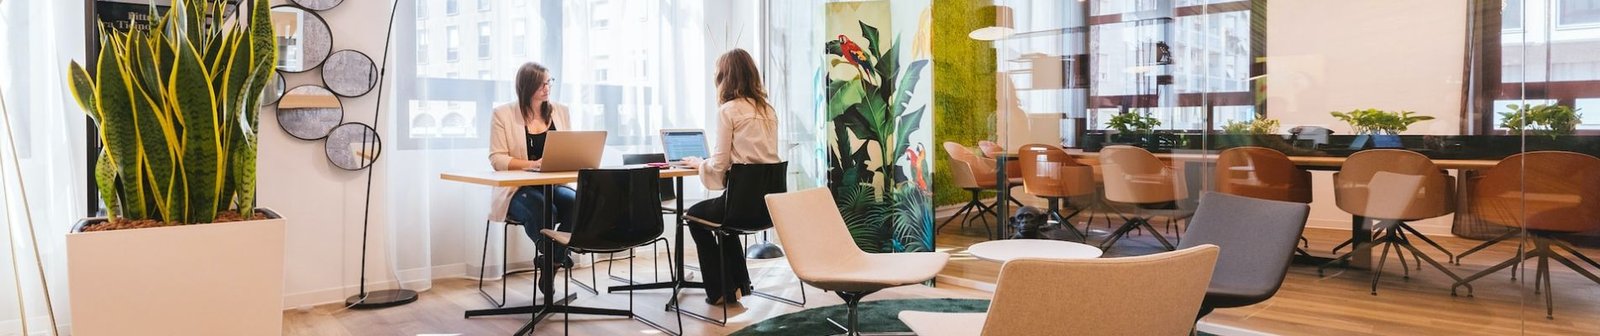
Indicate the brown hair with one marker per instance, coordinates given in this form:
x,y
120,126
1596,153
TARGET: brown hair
x,y
738,78
530,78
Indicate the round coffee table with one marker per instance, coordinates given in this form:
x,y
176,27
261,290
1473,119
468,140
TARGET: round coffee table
x,y
1006,250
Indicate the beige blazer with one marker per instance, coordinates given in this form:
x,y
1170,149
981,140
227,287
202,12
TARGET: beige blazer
x,y
743,136
508,140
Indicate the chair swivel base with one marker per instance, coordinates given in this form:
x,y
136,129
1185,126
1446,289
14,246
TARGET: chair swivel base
x,y
1541,281
1394,237
1132,224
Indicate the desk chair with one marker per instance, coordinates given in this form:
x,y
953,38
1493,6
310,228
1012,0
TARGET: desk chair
x,y
505,244
1394,186
1134,176
1263,173
1257,238
823,254
992,151
744,214
1154,294
615,212
668,198
975,176
1050,173
1546,194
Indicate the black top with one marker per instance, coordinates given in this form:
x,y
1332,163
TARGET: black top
x,y
536,142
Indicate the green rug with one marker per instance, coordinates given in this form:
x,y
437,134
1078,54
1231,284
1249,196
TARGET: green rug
x,y
873,316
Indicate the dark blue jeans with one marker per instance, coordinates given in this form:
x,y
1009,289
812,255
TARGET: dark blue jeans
x,y
527,207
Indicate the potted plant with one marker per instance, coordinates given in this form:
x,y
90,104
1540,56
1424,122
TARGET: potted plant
x,y
1133,128
1245,133
183,248
1379,123
1552,120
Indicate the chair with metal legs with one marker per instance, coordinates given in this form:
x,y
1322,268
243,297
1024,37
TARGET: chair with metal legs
x,y
1541,196
483,260
617,211
1263,173
1135,177
823,255
1049,172
974,175
744,213
1392,187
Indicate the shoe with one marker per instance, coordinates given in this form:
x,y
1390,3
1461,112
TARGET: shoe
x,y
566,261
719,300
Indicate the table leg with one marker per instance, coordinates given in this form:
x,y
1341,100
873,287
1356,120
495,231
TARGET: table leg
x,y
1002,199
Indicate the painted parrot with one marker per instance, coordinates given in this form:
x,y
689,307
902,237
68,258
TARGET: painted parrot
x,y
915,155
853,53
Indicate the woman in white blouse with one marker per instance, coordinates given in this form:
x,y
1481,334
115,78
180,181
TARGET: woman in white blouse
x,y
516,142
747,132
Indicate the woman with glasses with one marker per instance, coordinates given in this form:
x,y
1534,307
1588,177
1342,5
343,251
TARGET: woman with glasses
x,y
517,142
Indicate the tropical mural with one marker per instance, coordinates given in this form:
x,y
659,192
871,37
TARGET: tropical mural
x,y
878,166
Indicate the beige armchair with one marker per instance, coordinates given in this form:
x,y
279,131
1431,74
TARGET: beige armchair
x,y
824,256
1154,294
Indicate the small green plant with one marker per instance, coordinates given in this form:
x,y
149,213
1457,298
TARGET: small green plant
x,y
1550,120
1132,122
1375,121
1258,126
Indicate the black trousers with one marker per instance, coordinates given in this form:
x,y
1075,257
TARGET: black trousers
x,y
734,271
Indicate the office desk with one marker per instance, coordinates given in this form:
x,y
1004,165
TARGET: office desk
x,y
547,271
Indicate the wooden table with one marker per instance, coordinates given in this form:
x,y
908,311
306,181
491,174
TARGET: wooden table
x,y
547,271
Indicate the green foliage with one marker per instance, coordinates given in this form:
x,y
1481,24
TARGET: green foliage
x,y
963,85
1257,126
1375,121
1133,122
177,111
873,107
1543,119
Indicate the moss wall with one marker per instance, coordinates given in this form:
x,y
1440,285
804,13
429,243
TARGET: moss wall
x,y
963,85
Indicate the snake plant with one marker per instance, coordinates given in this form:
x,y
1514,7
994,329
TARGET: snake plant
x,y
176,107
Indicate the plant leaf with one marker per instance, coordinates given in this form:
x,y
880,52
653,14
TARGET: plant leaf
x,y
201,162
871,34
114,94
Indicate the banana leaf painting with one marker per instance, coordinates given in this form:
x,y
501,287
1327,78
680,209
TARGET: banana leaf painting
x,y
879,176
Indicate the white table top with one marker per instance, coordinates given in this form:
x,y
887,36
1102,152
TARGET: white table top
x,y
525,178
1006,250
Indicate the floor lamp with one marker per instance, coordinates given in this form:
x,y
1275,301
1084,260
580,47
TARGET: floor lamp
x,y
387,297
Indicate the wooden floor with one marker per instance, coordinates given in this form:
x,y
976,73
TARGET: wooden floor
x,y
440,310
1339,303
1308,304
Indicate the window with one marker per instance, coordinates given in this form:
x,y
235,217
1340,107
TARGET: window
x,y
1577,12
451,7
422,9
422,45
484,5
483,74
452,45
519,37
483,40
1511,15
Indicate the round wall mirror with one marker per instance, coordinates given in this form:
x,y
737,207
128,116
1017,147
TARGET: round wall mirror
x,y
318,5
349,73
304,39
353,146
274,89
309,112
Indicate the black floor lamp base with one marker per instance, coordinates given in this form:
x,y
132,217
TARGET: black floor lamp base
x,y
381,299
766,250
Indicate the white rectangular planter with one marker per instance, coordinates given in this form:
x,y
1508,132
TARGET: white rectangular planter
x,y
206,279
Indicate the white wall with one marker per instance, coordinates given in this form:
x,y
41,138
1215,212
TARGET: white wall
x,y
1325,56
323,203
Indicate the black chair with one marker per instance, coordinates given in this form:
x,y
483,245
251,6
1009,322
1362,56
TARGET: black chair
x,y
505,229
745,213
1258,238
667,195
615,213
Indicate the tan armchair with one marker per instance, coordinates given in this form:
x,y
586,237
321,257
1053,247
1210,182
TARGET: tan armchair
x,y
1135,177
1393,186
1155,294
1049,172
975,175
823,255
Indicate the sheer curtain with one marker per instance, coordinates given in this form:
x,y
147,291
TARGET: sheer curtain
x,y
48,160
628,67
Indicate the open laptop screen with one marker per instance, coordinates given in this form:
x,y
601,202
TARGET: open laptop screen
x,y
678,144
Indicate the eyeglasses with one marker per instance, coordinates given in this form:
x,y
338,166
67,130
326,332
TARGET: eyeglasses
x,y
550,81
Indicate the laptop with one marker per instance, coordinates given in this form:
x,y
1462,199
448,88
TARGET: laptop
x,y
566,151
681,143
